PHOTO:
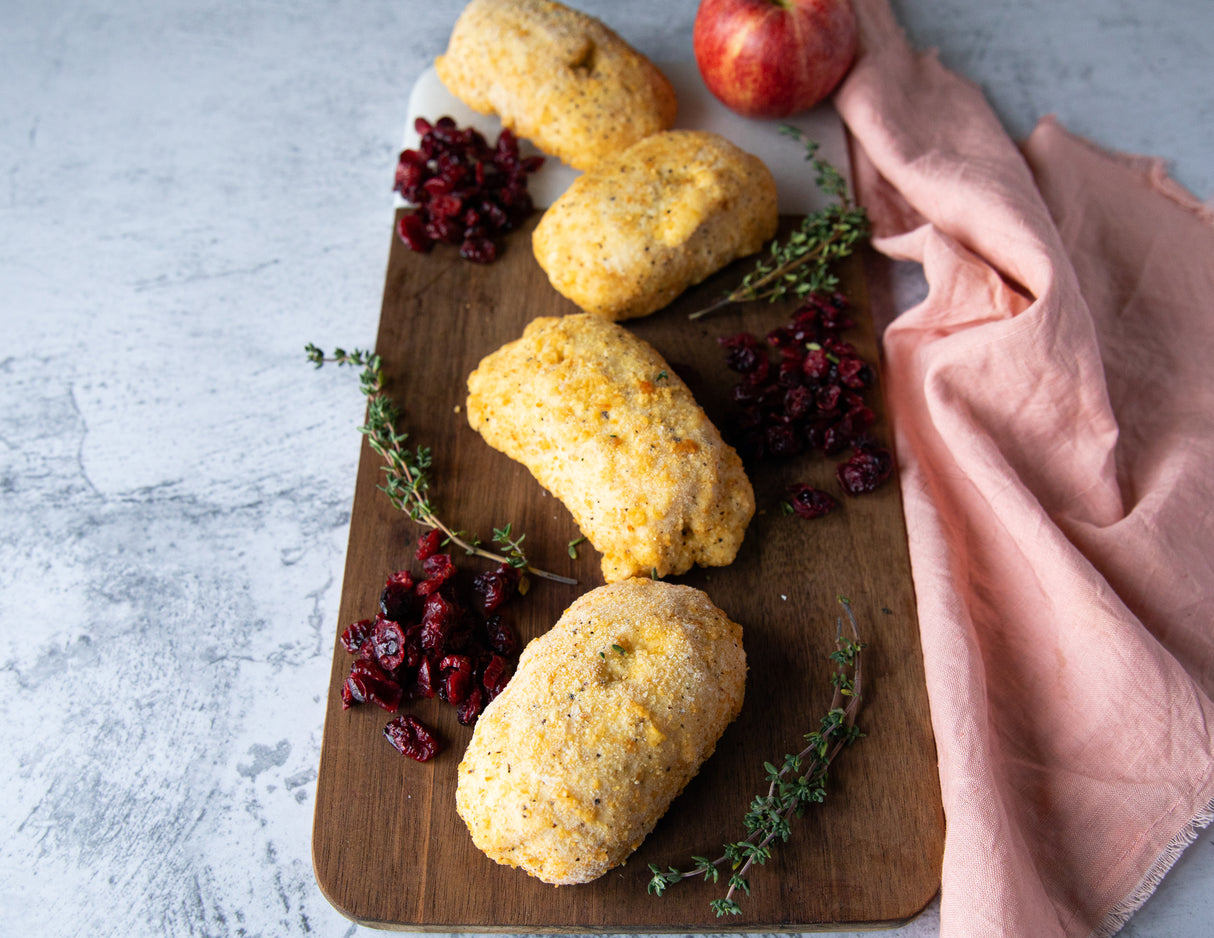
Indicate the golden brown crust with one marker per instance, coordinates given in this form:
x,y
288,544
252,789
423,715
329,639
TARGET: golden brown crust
x,y
641,227
607,427
608,717
556,76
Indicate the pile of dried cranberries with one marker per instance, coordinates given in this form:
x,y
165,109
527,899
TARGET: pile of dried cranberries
x,y
427,641
808,395
466,192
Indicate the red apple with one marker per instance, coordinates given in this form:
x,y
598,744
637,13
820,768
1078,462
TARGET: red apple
x,y
772,58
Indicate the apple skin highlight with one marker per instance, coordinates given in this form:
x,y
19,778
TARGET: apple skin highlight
x,y
773,58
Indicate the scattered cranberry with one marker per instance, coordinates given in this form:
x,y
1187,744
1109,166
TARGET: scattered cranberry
x,y
369,683
471,706
465,191
427,642
424,679
809,502
355,634
869,466
412,738
388,640
437,619
396,599
428,544
501,635
494,588
458,678
802,388
495,675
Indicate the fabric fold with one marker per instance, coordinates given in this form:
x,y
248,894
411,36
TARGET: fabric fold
x,y
1054,426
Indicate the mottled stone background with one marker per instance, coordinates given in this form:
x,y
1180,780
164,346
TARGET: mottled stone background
x,y
191,191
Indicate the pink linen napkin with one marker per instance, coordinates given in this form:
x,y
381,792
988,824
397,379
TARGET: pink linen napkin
x,y
1052,400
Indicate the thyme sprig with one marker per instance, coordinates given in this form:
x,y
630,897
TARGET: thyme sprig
x,y
798,783
406,471
801,264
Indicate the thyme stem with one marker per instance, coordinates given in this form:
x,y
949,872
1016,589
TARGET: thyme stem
x,y
407,482
770,816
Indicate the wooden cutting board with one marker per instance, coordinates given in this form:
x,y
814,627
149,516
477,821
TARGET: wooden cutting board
x,y
388,847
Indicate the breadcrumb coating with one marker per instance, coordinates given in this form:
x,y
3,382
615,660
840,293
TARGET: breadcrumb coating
x,y
610,714
606,426
641,227
556,76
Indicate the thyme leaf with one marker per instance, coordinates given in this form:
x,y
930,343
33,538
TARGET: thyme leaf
x,y
407,471
802,263
798,782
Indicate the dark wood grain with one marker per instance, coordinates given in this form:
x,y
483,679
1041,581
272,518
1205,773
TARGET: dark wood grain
x,y
388,847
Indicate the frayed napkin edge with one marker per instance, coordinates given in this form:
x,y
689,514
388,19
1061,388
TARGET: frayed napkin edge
x,y
1120,915
1152,169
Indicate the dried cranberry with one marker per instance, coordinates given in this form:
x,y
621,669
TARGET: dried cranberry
x,y
355,634
410,174
854,373
782,440
470,707
436,187
517,202
439,568
367,682
834,312
396,601
502,638
388,639
495,676
815,434
798,402
495,215
413,231
835,438
857,420
478,249
802,388
426,643
781,338
506,151
459,636
809,502
429,544
742,352
827,398
444,229
438,616
840,348
788,374
366,649
464,190
424,683
816,365
412,738
458,678
494,588
865,470
413,645
446,206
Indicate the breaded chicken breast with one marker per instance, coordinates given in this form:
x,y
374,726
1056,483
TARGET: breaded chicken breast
x,y
607,427
608,717
633,233
556,76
